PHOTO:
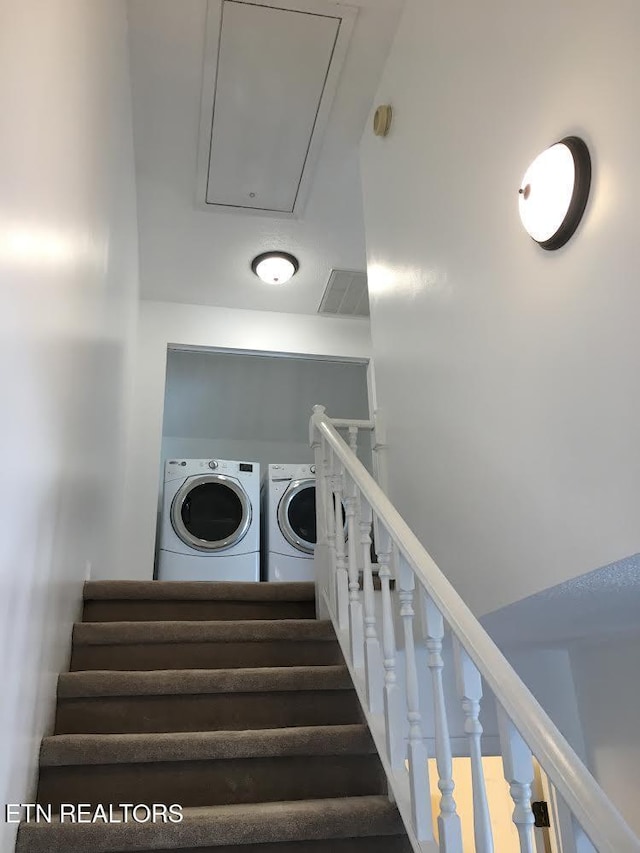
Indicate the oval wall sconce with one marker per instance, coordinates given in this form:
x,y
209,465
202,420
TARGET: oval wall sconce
x,y
382,120
275,267
554,192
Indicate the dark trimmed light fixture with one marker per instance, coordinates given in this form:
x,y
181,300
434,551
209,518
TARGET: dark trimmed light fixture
x,y
554,192
275,267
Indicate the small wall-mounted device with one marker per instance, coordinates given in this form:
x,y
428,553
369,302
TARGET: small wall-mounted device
x,y
382,120
540,814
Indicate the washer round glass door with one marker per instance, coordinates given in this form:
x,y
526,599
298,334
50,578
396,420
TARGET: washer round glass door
x,y
211,512
297,515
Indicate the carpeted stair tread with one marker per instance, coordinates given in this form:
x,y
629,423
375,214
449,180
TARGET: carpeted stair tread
x,y
232,631
220,826
63,750
198,590
96,683
229,698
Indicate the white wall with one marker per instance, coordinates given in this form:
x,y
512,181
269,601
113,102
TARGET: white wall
x,y
607,679
68,290
507,374
548,674
162,324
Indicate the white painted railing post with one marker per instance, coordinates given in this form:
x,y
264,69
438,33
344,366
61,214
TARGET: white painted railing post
x,y
449,830
392,696
418,766
322,554
518,771
342,577
356,632
372,656
353,439
469,688
327,471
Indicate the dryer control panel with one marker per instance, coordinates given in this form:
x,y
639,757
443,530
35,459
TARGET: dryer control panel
x,y
175,467
280,473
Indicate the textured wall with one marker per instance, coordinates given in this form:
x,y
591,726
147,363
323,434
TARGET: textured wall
x,y
68,295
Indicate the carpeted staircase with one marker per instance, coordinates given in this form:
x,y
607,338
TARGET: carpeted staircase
x,y
231,700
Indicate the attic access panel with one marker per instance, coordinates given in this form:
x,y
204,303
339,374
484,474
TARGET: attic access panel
x,y
269,79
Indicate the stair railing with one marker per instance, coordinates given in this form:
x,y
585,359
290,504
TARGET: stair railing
x,y
351,509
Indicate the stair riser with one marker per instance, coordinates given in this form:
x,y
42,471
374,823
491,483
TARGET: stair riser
x,y
368,844
206,712
375,844
210,783
126,610
153,656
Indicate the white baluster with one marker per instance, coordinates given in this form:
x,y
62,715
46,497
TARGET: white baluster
x,y
372,656
392,697
418,767
353,439
356,632
327,473
322,570
342,577
518,771
449,830
469,687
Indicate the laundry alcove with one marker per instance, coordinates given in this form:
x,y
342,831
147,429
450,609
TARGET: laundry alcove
x,y
253,407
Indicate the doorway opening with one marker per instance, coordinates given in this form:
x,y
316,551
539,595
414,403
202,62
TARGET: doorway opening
x,y
233,421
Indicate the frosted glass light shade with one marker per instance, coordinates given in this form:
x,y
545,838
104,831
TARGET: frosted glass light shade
x,y
554,192
275,267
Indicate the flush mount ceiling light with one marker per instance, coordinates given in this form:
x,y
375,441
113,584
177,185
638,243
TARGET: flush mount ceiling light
x,y
554,192
275,267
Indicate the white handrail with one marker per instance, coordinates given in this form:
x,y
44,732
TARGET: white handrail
x,y
598,817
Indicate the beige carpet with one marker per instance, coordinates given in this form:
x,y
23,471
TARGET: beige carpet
x,y
231,700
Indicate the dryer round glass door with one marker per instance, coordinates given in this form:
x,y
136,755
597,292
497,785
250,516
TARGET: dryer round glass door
x,y
211,512
297,515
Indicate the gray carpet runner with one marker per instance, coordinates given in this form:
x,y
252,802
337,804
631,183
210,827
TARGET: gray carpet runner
x,y
231,700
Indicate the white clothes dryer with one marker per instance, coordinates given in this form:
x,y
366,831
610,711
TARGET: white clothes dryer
x,y
290,529
210,525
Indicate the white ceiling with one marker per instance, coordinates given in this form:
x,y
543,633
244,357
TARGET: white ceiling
x,y
197,256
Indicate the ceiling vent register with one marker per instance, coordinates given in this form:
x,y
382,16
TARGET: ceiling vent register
x,y
346,295
270,74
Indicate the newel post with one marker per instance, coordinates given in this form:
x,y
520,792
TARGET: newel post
x,y
342,575
322,556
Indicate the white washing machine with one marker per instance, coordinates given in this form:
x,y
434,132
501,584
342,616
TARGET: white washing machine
x,y
290,528
210,526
